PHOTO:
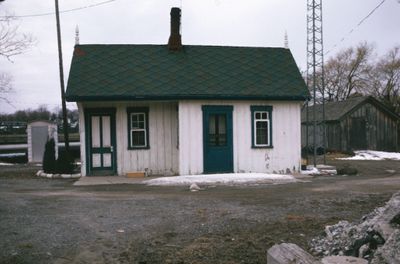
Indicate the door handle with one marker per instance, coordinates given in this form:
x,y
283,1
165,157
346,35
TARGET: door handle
x,y
112,148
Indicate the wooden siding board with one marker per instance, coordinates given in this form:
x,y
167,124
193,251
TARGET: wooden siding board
x,y
82,138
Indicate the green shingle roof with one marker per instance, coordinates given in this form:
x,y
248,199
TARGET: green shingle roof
x,y
152,72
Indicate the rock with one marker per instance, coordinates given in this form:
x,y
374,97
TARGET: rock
x,y
194,187
39,173
328,232
287,253
66,176
363,251
77,175
382,223
347,171
343,260
390,251
376,238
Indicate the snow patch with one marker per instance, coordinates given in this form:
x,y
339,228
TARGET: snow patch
x,y
373,155
311,171
10,155
223,179
5,164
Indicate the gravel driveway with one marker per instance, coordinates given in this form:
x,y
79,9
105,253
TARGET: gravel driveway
x,y
51,221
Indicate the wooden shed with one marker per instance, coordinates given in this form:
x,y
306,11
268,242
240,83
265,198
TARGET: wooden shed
x,y
357,123
186,109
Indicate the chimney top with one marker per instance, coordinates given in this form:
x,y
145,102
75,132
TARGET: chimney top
x,y
175,40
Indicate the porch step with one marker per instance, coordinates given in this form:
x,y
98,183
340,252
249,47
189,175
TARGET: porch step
x,y
137,174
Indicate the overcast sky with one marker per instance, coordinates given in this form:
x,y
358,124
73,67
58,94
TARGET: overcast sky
x,y
259,23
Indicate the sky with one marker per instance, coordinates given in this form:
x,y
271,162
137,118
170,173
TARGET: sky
x,y
253,23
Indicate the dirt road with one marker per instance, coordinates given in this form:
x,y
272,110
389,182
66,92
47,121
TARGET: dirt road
x,y
51,221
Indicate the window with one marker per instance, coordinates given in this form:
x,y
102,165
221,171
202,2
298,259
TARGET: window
x,y
138,128
217,130
261,117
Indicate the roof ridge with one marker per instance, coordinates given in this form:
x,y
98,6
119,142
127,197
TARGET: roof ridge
x,y
186,45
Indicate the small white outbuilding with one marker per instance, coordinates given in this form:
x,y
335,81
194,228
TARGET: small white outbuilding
x,y
38,133
186,109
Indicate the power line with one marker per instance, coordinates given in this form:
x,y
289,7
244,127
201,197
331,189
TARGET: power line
x,y
357,26
66,11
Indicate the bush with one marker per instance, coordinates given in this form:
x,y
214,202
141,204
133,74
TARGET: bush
x,y
49,157
65,163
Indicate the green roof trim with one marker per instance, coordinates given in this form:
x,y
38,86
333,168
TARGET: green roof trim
x,y
152,72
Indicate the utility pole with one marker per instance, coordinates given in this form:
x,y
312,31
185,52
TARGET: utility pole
x,y
315,67
60,60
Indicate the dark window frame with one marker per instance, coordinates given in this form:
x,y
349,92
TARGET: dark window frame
x,y
138,110
261,109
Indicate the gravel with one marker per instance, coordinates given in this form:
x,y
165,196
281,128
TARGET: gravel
x,y
51,221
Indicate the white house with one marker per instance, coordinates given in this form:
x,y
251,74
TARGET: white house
x,y
178,110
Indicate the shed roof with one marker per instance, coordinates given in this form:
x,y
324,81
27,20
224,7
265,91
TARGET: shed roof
x,y
152,72
334,111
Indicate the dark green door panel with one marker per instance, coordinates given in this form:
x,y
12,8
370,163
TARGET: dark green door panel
x,y
100,141
217,139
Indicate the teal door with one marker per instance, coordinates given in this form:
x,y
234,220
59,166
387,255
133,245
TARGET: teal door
x,y
217,139
100,142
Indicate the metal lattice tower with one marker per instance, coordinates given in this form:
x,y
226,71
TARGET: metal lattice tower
x,y
315,67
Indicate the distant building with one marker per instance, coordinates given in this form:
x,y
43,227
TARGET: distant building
x,y
358,123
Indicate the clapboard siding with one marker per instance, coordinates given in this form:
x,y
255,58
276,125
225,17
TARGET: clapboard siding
x,y
282,158
162,156
82,138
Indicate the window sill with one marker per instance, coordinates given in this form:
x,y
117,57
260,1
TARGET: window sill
x,y
262,147
138,148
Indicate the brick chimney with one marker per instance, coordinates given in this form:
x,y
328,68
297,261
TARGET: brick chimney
x,y
175,41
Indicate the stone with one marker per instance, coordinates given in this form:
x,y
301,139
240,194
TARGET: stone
x,y
390,251
342,260
366,238
76,175
362,252
39,173
66,176
194,187
347,171
287,253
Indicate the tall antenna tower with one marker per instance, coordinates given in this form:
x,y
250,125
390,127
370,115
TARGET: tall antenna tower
x,y
315,68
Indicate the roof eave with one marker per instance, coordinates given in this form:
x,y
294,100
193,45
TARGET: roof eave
x,y
75,98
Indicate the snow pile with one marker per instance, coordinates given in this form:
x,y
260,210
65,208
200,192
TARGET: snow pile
x,y
5,164
311,171
373,155
222,179
376,238
319,170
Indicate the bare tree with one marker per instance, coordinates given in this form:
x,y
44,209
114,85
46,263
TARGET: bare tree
x,y
12,43
5,86
386,79
348,73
